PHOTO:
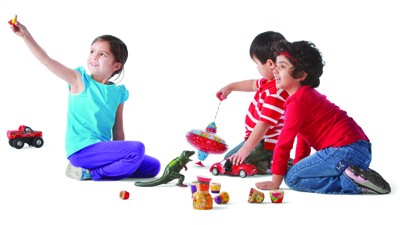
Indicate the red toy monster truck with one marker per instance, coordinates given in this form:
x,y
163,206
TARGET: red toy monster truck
x,y
25,134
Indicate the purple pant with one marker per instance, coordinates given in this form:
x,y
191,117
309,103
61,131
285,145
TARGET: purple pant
x,y
115,160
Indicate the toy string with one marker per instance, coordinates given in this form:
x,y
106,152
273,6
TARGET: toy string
x,y
217,111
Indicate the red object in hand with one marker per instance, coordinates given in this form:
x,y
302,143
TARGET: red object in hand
x,y
12,22
220,96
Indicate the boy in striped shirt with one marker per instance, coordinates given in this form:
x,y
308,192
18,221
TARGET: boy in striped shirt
x,y
264,118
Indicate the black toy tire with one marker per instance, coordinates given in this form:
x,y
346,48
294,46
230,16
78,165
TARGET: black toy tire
x,y
18,143
37,142
10,141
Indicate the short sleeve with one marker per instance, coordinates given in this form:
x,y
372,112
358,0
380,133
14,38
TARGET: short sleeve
x,y
124,93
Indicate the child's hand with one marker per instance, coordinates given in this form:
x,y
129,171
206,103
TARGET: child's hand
x,y
223,93
239,157
219,96
265,185
19,29
270,185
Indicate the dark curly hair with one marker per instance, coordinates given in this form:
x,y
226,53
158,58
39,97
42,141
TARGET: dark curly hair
x,y
305,57
261,47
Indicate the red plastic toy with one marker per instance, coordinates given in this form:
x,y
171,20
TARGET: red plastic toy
x,y
12,22
226,167
25,134
206,142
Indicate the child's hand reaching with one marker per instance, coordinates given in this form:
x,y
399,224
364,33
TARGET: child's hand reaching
x,y
219,96
19,29
223,93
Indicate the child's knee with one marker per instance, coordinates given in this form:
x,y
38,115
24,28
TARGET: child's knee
x,y
136,148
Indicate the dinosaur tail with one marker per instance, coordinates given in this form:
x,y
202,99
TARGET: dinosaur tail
x,y
148,183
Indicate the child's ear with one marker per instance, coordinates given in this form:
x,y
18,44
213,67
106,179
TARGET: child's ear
x,y
302,76
117,66
270,63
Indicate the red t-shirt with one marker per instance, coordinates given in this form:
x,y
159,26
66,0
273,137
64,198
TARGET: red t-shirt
x,y
317,123
267,106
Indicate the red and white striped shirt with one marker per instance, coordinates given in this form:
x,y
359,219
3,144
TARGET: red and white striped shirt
x,y
267,106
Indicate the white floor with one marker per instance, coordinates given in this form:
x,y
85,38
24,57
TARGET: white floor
x,y
180,54
35,190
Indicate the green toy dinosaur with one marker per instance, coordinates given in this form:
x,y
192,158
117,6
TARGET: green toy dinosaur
x,y
171,172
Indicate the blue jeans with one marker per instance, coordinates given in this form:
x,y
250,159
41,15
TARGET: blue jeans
x,y
322,171
115,160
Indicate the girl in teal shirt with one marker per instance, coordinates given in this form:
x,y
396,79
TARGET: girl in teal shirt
x,y
95,139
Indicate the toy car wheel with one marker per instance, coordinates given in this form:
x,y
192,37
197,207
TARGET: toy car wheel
x,y
215,171
10,141
242,173
37,142
18,143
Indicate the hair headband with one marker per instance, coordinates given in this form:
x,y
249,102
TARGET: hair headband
x,y
287,55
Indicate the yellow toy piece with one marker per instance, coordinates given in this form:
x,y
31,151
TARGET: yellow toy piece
x,y
14,20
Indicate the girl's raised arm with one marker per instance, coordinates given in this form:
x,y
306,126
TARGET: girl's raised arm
x,y
69,75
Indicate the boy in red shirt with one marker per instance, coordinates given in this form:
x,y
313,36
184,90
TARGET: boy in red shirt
x,y
341,162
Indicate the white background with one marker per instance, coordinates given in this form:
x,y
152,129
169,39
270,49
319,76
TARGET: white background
x,y
180,54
